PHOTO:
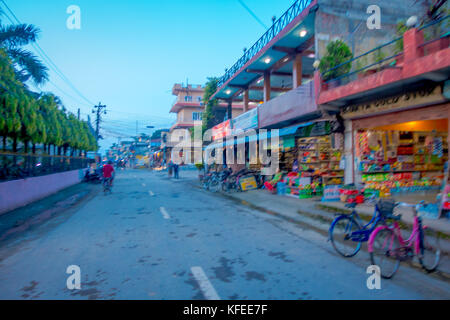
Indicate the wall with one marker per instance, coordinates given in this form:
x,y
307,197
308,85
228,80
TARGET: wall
x,y
185,114
18,193
347,20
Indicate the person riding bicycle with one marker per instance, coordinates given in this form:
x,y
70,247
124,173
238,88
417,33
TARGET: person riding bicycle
x,y
108,171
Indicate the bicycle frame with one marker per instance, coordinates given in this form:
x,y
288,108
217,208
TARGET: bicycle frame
x,y
366,230
414,238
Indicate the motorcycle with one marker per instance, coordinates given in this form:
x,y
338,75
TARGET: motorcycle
x,y
95,177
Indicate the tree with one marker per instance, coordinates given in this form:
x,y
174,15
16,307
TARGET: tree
x,y
27,65
210,116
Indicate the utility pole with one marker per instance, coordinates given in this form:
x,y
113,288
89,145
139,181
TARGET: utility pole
x,y
78,113
99,109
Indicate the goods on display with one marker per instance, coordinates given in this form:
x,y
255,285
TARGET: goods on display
x,y
392,162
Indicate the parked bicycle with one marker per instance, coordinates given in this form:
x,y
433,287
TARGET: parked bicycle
x,y
387,247
347,231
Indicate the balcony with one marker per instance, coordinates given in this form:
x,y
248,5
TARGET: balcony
x,y
288,108
420,55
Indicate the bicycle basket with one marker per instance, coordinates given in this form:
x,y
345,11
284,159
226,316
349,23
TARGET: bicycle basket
x,y
386,207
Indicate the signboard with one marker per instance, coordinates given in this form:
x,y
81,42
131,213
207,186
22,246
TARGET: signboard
x,y
331,193
245,121
418,98
248,183
221,130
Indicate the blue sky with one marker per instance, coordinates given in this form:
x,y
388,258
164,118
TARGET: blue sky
x,y
128,54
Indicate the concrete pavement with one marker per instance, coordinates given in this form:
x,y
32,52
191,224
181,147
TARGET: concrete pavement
x,y
156,238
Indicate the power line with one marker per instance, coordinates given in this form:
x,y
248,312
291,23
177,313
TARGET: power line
x,y
252,14
45,57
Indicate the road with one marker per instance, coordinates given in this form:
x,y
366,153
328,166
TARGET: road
x,y
155,238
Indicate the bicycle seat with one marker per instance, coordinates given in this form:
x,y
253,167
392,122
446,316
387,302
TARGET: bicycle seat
x,y
351,205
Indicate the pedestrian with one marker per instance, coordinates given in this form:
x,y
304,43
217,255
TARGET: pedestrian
x,y
170,169
176,168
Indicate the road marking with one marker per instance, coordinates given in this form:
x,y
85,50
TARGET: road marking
x,y
164,213
151,193
205,285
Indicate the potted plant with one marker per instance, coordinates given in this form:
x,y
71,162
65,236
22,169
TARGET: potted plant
x,y
337,53
200,168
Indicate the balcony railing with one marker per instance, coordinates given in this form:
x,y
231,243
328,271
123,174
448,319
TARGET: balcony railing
x,y
387,55
20,166
276,28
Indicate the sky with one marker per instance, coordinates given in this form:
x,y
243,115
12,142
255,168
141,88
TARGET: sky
x,y
128,54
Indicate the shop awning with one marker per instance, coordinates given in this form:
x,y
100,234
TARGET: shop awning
x,y
293,129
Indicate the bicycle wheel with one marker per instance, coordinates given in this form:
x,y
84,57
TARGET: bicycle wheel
x,y
385,245
340,231
214,185
430,254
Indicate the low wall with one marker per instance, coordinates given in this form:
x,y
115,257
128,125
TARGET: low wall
x,y
18,193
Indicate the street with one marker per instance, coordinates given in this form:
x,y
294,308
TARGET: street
x,y
156,238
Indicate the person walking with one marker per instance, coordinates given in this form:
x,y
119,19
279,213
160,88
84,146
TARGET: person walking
x,y
170,169
176,169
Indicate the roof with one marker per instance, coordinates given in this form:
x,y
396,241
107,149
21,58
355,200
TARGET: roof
x,y
293,32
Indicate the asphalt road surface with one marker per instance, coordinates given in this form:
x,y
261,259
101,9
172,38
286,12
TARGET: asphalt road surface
x,y
155,238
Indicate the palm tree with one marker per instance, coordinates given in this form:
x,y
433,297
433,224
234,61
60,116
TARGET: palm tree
x,y
27,66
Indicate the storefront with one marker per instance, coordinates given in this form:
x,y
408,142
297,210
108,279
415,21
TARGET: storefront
x,y
400,144
314,151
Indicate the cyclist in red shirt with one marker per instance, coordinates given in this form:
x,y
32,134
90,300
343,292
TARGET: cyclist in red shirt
x,y
108,171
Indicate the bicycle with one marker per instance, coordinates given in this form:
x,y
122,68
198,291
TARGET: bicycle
x,y
387,247
354,233
107,185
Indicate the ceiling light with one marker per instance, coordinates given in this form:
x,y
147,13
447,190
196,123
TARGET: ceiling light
x,y
303,33
267,60
311,55
228,91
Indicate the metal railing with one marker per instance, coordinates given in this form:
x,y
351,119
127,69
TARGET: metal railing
x,y
386,55
276,28
20,166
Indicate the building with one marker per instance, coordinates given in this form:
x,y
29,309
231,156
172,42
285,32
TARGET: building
x,y
277,76
189,106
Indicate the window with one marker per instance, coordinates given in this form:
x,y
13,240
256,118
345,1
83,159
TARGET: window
x,y
199,99
196,116
188,98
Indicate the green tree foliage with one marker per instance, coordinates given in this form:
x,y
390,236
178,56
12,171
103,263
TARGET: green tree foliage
x,y
210,116
37,119
26,65
337,53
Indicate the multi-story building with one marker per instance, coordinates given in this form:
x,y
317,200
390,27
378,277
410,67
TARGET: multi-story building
x,y
189,106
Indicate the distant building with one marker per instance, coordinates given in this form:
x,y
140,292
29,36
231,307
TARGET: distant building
x,y
189,106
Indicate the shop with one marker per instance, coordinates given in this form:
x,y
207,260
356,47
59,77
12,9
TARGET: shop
x,y
311,155
400,145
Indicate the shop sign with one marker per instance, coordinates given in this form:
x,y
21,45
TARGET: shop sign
x,y
248,183
332,193
221,131
245,121
422,97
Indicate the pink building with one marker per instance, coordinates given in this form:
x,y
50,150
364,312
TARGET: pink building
x,y
189,106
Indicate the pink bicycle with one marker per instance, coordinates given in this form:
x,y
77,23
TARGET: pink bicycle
x,y
387,247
